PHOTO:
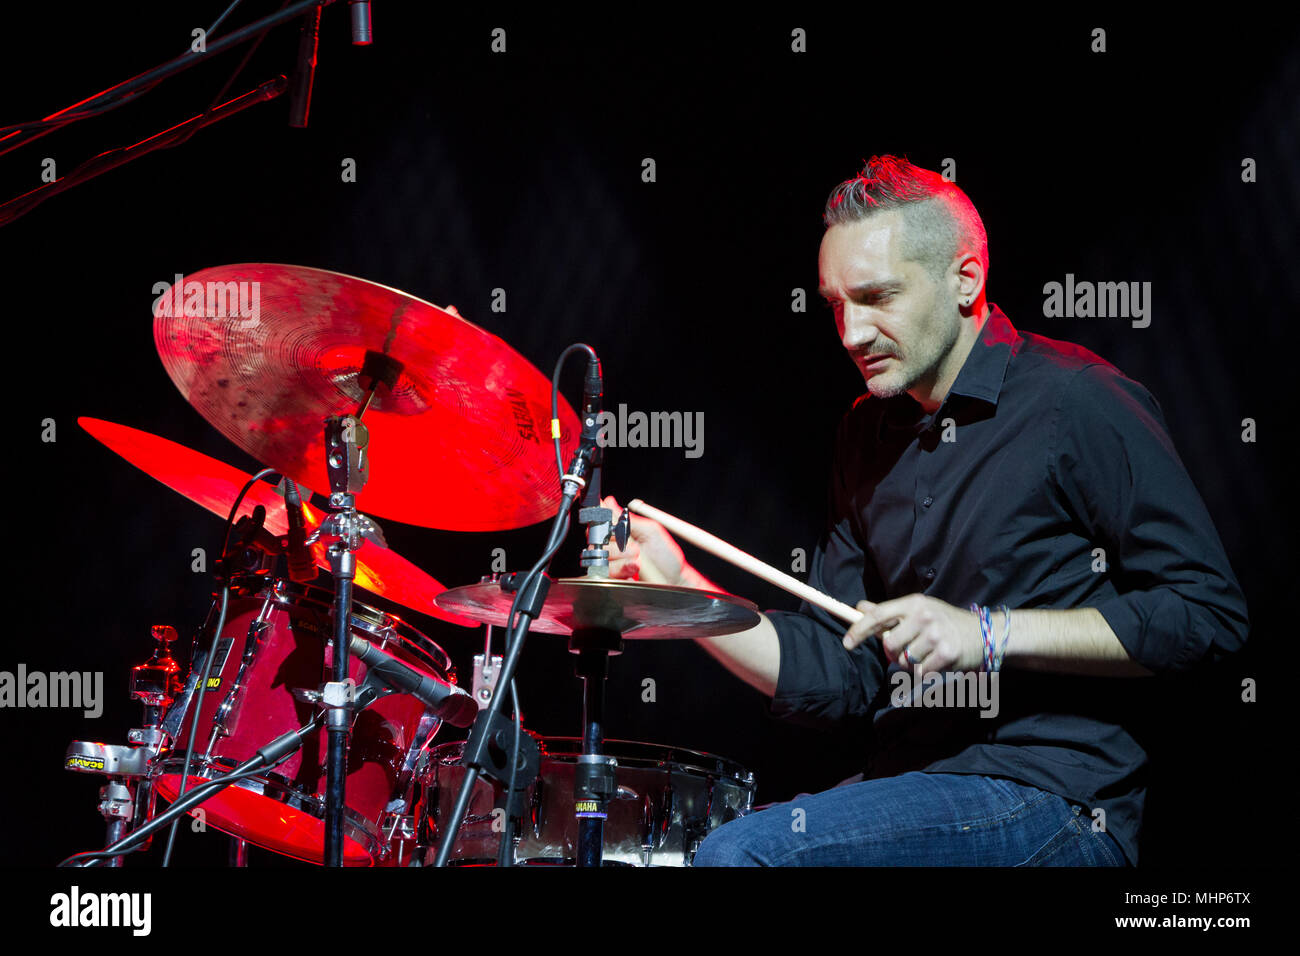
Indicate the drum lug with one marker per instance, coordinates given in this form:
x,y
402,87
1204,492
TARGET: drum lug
x,y
535,812
693,834
667,812
416,752
256,628
649,824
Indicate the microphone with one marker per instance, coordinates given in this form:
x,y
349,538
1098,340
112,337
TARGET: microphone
x,y
304,74
593,395
593,391
595,556
302,565
587,456
360,10
445,700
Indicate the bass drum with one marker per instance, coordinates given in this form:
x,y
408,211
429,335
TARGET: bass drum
x,y
275,645
668,800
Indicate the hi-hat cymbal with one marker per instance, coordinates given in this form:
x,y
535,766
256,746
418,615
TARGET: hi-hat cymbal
x,y
214,485
637,610
462,442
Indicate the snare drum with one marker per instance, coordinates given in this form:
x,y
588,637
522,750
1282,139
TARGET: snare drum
x,y
668,800
275,643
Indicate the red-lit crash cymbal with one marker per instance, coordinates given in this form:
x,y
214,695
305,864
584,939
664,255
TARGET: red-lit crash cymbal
x,y
214,485
463,442
637,610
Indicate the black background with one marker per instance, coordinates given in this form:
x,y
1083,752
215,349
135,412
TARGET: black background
x,y
523,171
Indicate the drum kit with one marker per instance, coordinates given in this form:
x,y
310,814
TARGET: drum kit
x,y
307,724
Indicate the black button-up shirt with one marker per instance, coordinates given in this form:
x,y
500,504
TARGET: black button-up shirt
x,y
1046,479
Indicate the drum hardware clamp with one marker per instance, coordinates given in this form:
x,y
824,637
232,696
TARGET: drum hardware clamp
x,y
126,801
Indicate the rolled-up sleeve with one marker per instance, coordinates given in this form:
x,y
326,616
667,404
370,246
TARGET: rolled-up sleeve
x,y
819,682
1115,465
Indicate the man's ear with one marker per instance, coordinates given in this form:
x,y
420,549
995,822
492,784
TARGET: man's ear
x,y
969,275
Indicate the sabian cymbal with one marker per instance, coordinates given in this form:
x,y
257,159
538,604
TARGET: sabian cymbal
x,y
462,442
637,610
214,485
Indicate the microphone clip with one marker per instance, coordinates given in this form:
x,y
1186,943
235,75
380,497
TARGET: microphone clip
x,y
490,749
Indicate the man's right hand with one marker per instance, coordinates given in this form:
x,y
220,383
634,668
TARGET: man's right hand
x,y
654,557
651,555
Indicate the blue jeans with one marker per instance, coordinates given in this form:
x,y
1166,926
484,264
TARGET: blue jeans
x,y
915,819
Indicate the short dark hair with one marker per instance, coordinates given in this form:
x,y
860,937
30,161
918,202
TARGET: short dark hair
x,y
939,218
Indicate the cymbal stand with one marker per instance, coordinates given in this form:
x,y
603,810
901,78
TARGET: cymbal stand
x,y
348,465
594,780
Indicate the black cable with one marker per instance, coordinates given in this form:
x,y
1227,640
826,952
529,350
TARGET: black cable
x,y
212,653
555,395
205,790
503,848
67,119
128,843
514,646
198,709
559,531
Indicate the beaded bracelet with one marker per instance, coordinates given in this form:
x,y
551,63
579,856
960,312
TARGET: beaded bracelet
x,y
1006,636
993,652
986,632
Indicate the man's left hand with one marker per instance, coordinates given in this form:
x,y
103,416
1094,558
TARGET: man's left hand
x,y
926,633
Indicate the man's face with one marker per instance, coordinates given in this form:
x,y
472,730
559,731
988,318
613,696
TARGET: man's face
x,y
897,321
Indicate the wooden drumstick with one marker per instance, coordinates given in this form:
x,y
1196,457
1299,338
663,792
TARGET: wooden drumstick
x,y
746,562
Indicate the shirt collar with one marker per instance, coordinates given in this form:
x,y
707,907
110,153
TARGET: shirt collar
x,y
984,370
981,375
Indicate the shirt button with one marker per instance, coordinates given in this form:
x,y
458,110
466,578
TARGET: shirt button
x,y
931,573
927,501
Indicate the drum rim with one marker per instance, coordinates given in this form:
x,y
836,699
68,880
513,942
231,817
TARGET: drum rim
x,y
703,763
274,787
372,622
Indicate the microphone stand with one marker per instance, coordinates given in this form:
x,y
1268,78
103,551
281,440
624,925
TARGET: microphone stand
x,y
13,208
594,780
490,747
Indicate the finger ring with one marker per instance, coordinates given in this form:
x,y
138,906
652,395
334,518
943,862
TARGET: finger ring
x,y
906,657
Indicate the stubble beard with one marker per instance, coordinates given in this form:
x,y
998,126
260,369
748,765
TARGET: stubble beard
x,y
881,389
